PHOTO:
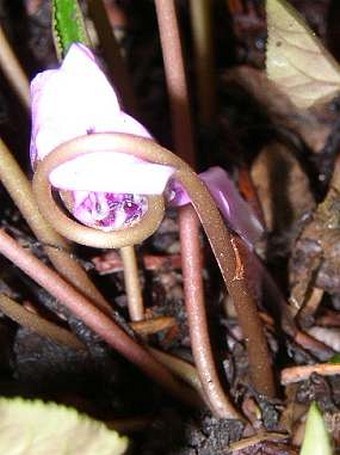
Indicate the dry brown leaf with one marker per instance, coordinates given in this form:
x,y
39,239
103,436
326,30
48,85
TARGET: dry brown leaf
x,y
296,60
313,126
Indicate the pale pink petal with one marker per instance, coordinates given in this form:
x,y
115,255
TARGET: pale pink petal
x,y
234,208
75,100
111,172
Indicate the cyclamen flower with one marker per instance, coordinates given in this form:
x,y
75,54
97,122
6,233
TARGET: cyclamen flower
x,y
237,213
107,189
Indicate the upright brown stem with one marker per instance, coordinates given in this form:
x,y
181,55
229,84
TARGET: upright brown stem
x,y
196,313
189,224
132,285
175,79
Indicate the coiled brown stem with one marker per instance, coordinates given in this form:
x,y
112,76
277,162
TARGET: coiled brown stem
x,y
75,231
225,249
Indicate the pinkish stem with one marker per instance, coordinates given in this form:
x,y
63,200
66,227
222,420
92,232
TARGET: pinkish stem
x,y
189,224
94,318
197,318
175,79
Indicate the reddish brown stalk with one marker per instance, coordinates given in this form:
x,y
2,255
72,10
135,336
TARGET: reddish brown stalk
x,y
248,316
175,79
13,70
189,224
196,313
226,251
94,318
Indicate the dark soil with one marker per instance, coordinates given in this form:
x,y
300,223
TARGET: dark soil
x,y
291,166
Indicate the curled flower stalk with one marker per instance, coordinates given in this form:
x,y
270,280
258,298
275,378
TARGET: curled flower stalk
x,y
225,250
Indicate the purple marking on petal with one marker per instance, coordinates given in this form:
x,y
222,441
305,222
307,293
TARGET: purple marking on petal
x,y
109,211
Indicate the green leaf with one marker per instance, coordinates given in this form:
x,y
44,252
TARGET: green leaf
x,y
68,26
335,359
316,440
296,60
37,428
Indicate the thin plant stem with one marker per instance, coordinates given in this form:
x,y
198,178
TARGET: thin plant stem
x,y
201,22
13,70
175,79
57,249
38,324
196,313
132,284
93,317
189,224
226,251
